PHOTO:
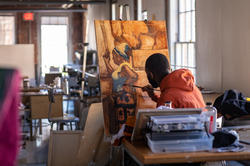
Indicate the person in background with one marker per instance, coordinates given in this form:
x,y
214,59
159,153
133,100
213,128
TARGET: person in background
x,y
177,86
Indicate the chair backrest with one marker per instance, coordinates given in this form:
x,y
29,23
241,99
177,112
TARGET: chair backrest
x,y
40,106
49,77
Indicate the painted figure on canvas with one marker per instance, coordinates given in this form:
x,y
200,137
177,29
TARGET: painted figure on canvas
x,y
123,47
122,102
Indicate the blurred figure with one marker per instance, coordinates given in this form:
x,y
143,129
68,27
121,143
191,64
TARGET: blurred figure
x,y
9,119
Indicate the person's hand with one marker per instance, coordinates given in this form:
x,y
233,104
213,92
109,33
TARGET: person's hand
x,y
150,90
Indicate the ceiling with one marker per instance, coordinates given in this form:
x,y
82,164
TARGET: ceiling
x,y
46,5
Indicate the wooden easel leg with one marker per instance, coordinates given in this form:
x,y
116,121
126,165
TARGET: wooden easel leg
x,y
61,126
40,128
51,127
31,130
70,126
76,126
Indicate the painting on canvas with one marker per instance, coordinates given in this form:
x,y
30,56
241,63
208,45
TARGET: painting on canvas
x,y
123,47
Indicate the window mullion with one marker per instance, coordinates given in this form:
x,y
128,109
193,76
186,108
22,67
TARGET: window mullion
x,y
178,20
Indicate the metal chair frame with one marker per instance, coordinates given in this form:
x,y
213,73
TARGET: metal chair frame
x,y
59,120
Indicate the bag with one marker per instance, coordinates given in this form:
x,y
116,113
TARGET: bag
x,y
223,138
232,104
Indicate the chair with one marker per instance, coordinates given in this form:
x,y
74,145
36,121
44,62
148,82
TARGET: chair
x,y
59,120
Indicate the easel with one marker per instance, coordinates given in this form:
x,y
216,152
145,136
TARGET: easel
x,y
85,49
93,142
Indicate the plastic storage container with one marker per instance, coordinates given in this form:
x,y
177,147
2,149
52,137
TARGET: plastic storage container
x,y
176,123
182,145
155,136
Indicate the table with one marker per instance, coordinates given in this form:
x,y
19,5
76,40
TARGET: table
x,y
210,97
140,152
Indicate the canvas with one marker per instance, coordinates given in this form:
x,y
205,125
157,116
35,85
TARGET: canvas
x,y
123,47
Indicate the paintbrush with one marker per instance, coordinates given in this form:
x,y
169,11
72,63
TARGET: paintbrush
x,y
135,86
244,142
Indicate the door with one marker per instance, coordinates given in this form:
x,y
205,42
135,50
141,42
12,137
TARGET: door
x,y
54,43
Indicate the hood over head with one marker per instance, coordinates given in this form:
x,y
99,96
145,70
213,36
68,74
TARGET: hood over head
x,y
181,79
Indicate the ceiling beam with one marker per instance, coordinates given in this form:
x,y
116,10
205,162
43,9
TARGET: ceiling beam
x,y
42,10
49,2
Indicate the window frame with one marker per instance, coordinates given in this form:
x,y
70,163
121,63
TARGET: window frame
x,y
178,17
70,47
69,32
179,41
14,26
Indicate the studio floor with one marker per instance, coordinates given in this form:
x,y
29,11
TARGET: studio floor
x,y
35,153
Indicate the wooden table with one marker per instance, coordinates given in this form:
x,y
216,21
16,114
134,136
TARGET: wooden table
x,y
210,97
140,152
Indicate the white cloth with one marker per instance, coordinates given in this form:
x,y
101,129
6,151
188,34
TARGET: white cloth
x,y
118,135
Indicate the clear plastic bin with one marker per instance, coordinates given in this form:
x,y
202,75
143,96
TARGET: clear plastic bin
x,y
176,123
183,135
184,145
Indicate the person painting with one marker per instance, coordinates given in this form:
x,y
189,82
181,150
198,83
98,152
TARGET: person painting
x,y
177,86
123,101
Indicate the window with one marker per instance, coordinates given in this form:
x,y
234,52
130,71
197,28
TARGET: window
x,y
54,42
185,44
7,30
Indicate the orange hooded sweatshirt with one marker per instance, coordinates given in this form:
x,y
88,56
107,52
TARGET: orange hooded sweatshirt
x,y
179,88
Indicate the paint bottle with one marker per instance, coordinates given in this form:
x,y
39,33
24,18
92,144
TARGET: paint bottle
x,y
26,83
211,113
